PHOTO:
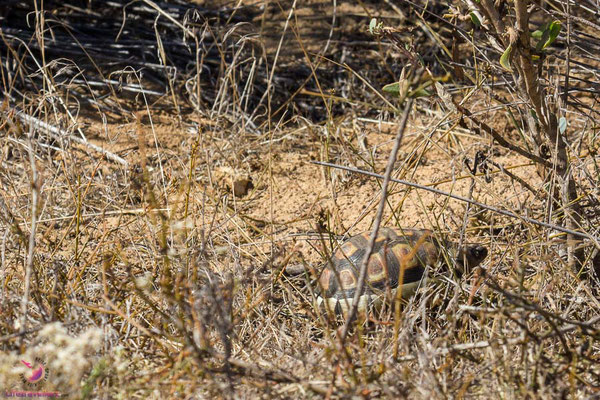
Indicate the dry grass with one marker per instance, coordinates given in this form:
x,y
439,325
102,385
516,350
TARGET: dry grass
x,y
150,201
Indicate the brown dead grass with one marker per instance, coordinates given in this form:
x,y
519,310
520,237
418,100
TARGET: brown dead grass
x,y
185,279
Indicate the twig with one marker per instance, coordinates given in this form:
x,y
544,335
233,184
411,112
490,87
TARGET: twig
x,y
169,17
59,134
521,181
31,247
465,346
594,239
501,341
269,373
3,267
386,180
24,332
501,140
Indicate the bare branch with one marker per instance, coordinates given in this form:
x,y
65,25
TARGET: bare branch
x,y
386,180
594,239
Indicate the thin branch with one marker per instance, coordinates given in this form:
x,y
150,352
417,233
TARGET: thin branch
x,y
60,134
169,17
492,13
500,341
521,181
594,239
503,142
31,247
386,180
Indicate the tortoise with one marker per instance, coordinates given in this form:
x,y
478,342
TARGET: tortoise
x,y
398,262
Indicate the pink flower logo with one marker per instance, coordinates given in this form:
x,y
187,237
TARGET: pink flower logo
x,y
37,372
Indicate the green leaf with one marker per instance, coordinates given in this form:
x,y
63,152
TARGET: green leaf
x,y
537,34
419,92
562,125
372,25
505,58
543,38
547,34
534,115
553,31
475,19
392,88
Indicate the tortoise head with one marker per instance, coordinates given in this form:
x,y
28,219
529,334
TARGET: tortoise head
x,y
469,257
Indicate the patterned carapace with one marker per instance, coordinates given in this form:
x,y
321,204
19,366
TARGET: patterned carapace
x,y
398,262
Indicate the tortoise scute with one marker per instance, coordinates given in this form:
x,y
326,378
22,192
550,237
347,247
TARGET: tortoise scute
x,y
327,284
376,271
429,253
347,279
348,249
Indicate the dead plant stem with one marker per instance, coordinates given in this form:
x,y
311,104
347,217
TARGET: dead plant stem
x,y
31,246
386,180
595,240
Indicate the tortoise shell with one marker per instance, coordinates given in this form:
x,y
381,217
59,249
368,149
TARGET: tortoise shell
x,y
398,262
